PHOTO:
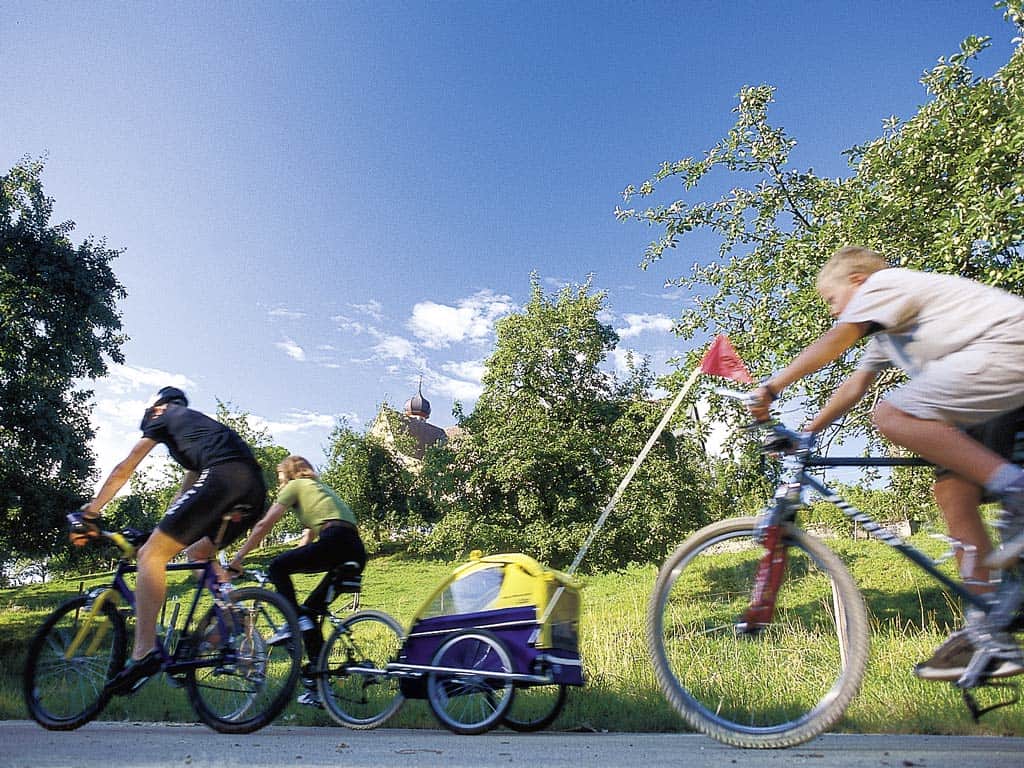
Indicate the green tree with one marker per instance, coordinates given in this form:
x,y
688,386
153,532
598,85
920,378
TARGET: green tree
x,y
548,441
59,325
382,492
942,191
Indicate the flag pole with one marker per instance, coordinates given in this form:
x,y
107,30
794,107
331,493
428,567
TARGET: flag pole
x,y
720,359
622,486
632,470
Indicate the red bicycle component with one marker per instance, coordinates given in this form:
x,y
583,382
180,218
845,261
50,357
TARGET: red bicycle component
x,y
766,583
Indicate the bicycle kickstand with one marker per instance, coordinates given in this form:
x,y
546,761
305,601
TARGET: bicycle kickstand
x,y
977,710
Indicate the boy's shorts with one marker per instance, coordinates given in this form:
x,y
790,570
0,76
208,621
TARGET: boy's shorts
x,y
966,388
1003,434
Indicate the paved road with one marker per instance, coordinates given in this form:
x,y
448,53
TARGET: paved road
x,y
24,744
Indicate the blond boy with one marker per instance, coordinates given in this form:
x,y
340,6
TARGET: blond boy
x,y
962,345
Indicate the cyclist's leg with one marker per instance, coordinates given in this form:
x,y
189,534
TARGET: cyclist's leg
x,y
334,546
937,441
1008,439
329,550
968,387
189,519
150,590
958,499
343,545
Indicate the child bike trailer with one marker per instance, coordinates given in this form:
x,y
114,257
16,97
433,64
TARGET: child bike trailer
x,y
513,620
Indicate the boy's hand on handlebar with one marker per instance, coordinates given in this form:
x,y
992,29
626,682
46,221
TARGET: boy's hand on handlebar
x,y
789,442
759,402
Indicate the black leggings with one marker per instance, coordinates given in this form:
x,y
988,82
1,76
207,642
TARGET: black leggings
x,y
336,545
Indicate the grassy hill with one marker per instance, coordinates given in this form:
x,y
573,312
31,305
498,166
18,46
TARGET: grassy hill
x,y
909,618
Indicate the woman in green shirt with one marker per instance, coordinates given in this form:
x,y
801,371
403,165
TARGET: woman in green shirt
x,y
330,539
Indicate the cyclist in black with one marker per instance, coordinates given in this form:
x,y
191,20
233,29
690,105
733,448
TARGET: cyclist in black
x,y
221,476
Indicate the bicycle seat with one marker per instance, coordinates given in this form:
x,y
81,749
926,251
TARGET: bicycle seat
x,y
236,513
347,577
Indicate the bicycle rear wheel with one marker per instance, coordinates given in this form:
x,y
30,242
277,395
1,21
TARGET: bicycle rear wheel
x,y
352,685
69,660
780,686
242,683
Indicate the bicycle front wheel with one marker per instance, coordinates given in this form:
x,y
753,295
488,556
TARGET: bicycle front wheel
x,y
240,683
69,660
353,685
779,686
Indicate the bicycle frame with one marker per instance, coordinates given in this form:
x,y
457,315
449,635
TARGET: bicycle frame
x,y
789,499
177,657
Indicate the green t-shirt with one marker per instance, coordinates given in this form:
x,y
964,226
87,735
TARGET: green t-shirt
x,y
314,503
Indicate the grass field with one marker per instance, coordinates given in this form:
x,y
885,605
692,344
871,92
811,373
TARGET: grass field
x,y
909,617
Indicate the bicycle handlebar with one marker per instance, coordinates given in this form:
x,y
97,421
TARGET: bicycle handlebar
x,y
253,574
801,444
785,437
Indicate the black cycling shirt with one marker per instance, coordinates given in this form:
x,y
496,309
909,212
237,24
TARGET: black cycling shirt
x,y
195,440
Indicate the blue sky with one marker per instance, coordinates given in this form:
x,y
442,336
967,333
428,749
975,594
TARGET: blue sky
x,y
319,203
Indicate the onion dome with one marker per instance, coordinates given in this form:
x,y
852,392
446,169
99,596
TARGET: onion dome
x,y
418,406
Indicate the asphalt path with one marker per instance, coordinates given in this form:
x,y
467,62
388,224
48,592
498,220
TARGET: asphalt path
x,y
23,744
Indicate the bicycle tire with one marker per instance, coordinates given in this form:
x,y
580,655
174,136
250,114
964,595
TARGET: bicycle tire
x,y
817,642
470,702
243,683
355,698
63,693
535,707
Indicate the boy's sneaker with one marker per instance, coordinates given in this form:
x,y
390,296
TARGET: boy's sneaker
x,y
310,699
135,675
950,660
284,633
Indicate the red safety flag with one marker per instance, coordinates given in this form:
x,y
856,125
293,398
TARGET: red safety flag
x,y
721,360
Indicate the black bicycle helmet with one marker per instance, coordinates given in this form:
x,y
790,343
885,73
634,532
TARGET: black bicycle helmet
x,y
165,395
169,395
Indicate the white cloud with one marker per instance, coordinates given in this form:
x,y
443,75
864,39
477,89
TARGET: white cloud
x,y
395,347
293,350
471,319
637,324
282,313
352,326
463,382
471,370
298,420
125,379
373,308
456,389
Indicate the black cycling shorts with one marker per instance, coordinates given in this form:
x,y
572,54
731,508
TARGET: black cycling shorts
x,y
1003,434
219,490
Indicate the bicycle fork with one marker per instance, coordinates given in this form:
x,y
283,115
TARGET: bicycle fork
x,y
770,571
91,618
